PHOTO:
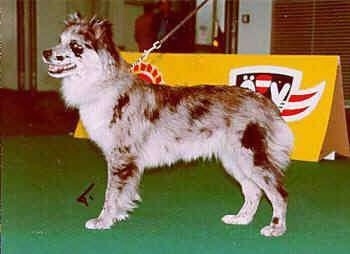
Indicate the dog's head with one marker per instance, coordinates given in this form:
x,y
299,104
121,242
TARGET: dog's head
x,y
86,59
86,46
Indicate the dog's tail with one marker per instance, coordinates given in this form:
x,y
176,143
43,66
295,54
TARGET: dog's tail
x,y
280,141
266,134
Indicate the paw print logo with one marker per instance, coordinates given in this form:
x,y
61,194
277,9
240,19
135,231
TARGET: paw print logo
x,y
148,73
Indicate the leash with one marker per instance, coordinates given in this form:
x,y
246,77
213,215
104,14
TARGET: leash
x,y
159,43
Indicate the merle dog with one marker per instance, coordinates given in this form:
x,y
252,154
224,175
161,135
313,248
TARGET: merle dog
x,y
139,125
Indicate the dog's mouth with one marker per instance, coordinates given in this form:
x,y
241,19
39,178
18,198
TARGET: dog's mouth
x,y
56,69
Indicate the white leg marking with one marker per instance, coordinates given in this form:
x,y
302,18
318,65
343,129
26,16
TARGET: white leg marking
x,y
252,195
279,213
118,202
277,226
106,218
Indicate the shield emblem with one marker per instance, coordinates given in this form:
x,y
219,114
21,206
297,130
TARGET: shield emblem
x,y
281,85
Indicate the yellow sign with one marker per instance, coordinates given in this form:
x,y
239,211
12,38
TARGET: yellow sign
x,y
306,89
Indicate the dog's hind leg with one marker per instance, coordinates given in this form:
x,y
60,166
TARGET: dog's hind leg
x,y
121,192
277,195
251,192
252,196
254,181
259,159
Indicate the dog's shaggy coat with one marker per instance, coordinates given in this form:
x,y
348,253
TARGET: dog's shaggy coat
x,y
139,125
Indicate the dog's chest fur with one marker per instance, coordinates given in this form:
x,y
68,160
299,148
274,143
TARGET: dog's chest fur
x,y
95,118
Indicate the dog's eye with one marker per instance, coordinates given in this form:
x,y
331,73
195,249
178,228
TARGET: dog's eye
x,y
74,45
76,48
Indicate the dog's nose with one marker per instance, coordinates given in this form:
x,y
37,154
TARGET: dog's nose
x,y
47,53
59,58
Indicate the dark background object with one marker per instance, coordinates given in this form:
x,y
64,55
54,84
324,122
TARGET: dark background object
x,y
28,113
245,18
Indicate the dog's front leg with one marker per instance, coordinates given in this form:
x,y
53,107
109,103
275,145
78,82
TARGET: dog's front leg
x,y
121,192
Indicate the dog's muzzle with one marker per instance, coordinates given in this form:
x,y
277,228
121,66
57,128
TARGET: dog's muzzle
x,y
56,68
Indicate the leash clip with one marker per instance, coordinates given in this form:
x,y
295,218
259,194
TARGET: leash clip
x,y
146,53
157,45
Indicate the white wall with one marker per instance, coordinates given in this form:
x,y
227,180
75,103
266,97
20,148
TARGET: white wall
x,y
50,23
204,23
255,37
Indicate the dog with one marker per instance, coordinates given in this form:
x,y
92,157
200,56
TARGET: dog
x,y
139,125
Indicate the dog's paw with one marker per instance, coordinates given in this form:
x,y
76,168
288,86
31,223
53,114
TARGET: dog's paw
x,y
98,223
236,219
273,230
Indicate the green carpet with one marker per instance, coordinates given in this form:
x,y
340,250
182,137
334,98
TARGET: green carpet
x,y
180,212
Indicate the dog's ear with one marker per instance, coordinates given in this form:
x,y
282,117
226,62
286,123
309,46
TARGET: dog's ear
x,y
74,18
102,29
103,33
93,20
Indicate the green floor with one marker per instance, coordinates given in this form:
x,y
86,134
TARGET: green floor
x,y
180,212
